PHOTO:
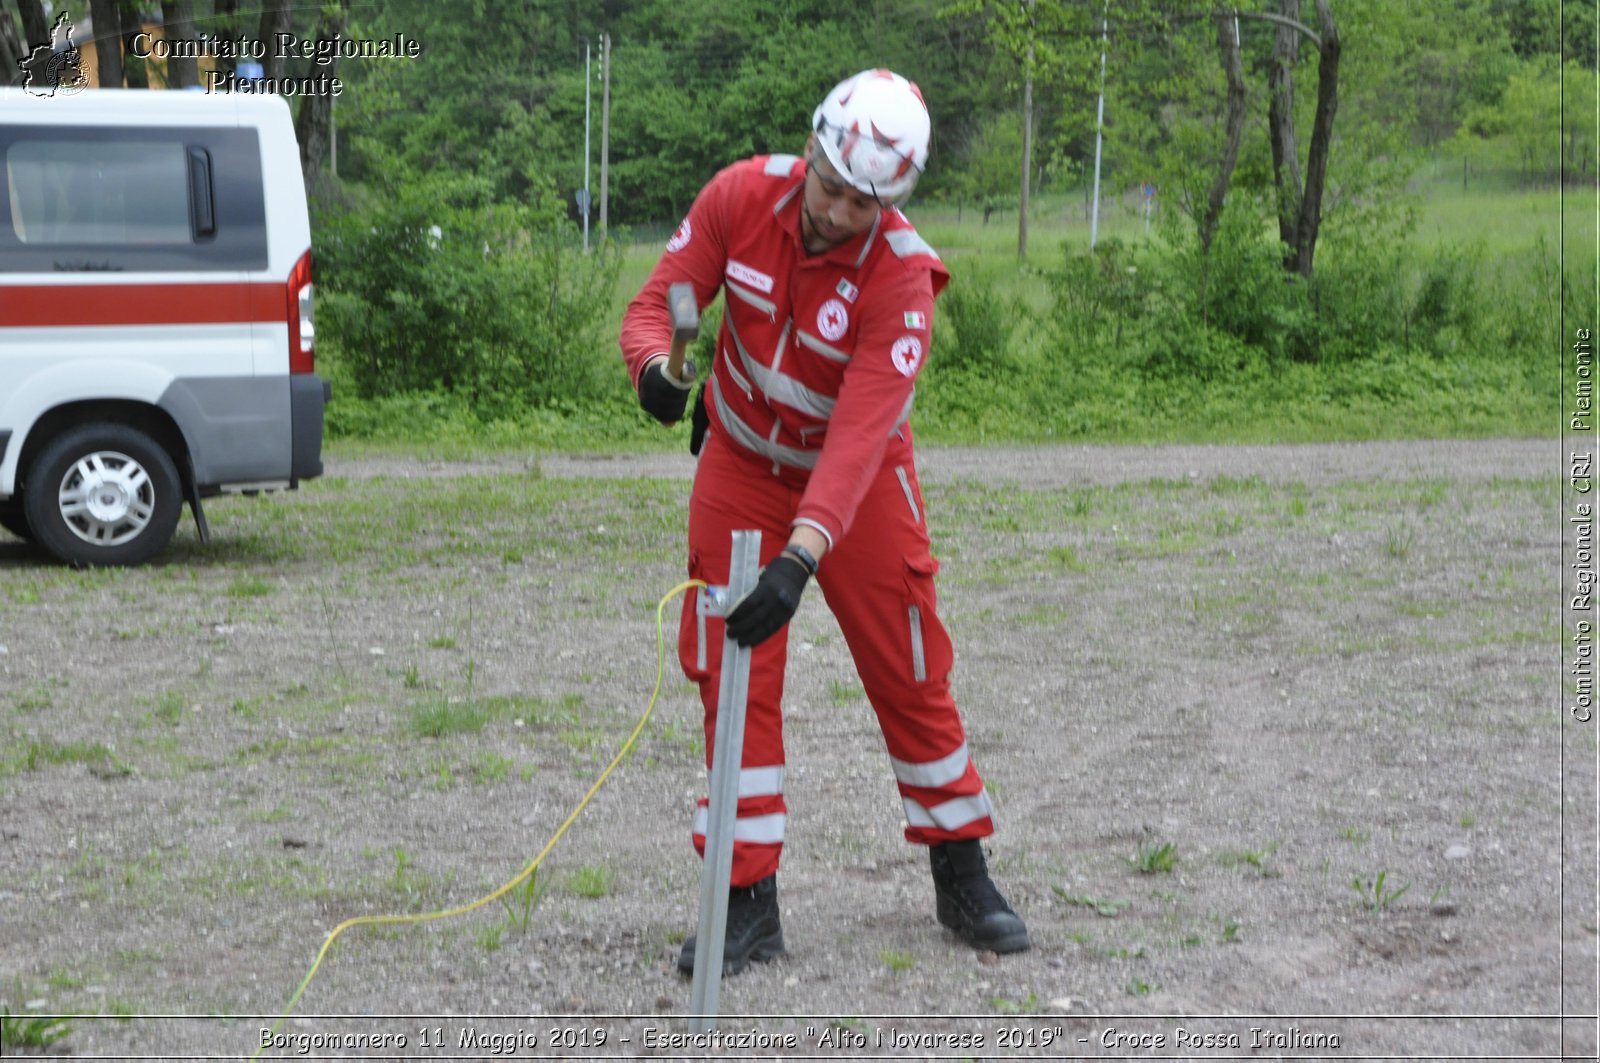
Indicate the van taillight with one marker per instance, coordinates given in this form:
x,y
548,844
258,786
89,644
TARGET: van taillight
x,y
302,322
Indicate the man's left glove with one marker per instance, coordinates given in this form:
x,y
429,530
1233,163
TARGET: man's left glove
x,y
773,602
661,397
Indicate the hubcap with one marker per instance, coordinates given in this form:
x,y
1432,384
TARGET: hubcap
x,y
106,498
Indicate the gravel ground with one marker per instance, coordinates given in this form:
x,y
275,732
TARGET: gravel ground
x,y
1301,667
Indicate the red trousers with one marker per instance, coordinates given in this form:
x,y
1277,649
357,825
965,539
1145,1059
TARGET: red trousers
x,y
878,581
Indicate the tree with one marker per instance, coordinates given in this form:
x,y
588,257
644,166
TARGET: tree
x,y
177,21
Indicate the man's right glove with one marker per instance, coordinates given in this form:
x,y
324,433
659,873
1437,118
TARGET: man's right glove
x,y
773,602
661,397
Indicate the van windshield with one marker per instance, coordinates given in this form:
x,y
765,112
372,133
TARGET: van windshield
x,y
98,192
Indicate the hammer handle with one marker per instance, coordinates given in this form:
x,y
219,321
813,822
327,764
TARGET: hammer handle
x,y
675,361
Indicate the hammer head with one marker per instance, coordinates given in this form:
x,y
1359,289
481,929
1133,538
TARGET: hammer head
x,y
685,312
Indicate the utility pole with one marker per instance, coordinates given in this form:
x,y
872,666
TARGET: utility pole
x,y
1027,145
1099,127
605,127
583,200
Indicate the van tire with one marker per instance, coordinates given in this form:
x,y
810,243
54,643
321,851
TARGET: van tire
x,y
122,496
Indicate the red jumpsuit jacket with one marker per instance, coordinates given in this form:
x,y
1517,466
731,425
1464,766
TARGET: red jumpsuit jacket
x,y
818,355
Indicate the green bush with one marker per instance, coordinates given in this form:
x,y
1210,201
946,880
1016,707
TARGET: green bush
x,y
435,287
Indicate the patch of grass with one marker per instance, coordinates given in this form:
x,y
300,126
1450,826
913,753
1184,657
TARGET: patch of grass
x,y
1008,1006
897,962
442,642
37,754
591,881
1376,895
248,586
32,1031
842,693
1255,858
1155,859
1105,907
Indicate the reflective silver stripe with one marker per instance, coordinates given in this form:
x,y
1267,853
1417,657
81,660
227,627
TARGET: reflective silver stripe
x,y
877,222
738,377
933,773
784,202
906,242
760,782
905,412
766,306
810,341
781,387
952,815
747,437
905,485
780,165
762,830
699,637
919,663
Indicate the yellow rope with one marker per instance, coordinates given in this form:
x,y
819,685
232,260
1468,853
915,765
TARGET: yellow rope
x,y
532,865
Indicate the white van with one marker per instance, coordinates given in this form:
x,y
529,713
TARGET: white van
x,y
156,336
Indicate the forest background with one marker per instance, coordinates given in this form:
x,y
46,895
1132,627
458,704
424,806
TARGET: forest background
x,y
1318,219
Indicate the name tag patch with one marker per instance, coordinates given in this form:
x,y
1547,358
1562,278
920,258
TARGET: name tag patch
x,y
748,275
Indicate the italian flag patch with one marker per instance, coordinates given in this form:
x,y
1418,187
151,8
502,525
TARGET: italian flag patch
x,y
916,319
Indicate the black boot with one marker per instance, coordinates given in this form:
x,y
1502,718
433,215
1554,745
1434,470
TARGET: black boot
x,y
968,901
753,929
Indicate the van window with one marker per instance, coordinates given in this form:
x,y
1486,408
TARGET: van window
x,y
84,192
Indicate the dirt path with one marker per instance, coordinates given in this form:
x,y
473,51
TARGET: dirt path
x,y
1327,676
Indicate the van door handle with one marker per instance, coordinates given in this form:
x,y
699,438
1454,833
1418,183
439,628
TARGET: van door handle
x,y
202,209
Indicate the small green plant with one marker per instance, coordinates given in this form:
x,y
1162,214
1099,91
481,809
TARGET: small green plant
x,y
1256,858
1354,835
1397,543
442,642
1007,1006
1109,908
1154,859
522,901
898,962
842,693
249,587
32,1031
1230,934
591,881
411,677
489,938
491,768
1137,987
1376,895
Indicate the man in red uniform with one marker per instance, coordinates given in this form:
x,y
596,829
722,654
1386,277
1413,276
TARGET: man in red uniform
x,y
828,315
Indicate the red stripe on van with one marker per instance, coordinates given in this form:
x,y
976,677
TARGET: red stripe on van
x,y
141,304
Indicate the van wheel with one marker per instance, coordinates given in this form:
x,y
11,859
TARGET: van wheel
x,y
103,494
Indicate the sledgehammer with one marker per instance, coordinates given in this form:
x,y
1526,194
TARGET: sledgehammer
x,y
685,327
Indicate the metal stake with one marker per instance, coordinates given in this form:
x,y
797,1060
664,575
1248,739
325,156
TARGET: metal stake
x,y
717,868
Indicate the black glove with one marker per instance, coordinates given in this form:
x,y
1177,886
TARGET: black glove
x,y
774,600
660,397
698,423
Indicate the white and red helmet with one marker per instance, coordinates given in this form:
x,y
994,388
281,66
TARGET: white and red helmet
x,y
874,129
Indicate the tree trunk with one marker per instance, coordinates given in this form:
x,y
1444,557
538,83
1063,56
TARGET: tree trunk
x,y
35,24
12,52
135,70
274,20
1321,142
1280,116
107,43
178,20
226,24
315,120
1228,42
